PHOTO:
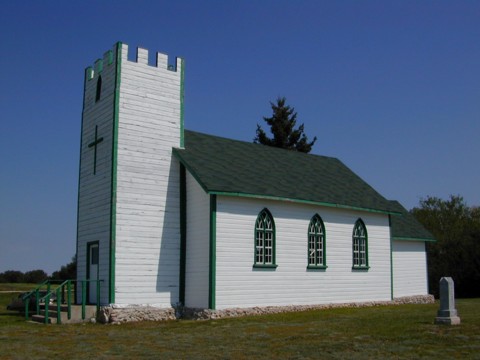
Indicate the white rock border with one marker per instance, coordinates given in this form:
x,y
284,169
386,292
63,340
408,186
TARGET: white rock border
x,y
118,315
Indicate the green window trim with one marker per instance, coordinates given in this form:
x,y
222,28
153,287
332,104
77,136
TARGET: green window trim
x,y
316,251
265,266
360,268
360,246
317,267
264,241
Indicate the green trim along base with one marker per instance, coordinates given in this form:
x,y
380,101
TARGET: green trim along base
x,y
212,252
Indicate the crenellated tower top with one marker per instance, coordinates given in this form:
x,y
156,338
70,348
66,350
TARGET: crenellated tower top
x,y
142,57
163,80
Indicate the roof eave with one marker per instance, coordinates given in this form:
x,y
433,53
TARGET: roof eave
x,y
177,153
404,238
301,201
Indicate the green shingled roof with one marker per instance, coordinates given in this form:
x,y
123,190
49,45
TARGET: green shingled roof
x,y
231,167
406,227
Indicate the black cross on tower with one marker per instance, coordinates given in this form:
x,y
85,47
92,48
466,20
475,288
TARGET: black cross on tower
x,y
94,145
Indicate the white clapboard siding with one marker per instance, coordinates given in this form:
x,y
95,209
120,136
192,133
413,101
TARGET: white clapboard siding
x,y
238,284
409,268
197,257
148,206
95,189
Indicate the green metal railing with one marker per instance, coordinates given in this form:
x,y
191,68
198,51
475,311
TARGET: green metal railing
x,y
27,297
61,298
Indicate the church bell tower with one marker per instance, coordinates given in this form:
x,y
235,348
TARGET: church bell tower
x,y
128,231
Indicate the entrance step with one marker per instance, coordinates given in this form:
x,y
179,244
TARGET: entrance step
x,y
76,314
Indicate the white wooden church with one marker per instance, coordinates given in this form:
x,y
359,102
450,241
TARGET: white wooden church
x,y
169,216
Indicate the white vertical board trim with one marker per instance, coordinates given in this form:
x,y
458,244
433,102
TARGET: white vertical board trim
x,y
94,193
147,258
197,259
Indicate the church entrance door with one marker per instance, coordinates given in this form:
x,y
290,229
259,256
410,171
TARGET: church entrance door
x,y
92,271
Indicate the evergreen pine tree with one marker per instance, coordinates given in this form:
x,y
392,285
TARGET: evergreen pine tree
x,y
282,126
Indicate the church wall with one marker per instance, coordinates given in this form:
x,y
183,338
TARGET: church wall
x,y
147,183
238,284
197,254
409,268
94,197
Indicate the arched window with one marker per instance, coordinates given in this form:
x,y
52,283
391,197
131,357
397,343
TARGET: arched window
x,y
316,243
360,246
99,89
265,240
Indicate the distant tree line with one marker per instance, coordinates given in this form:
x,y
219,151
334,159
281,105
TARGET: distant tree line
x,y
66,272
33,276
456,253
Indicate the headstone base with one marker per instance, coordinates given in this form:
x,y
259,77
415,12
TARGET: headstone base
x,y
451,320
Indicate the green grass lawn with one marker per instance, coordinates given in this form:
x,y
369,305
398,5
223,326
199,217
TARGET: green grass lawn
x,y
400,332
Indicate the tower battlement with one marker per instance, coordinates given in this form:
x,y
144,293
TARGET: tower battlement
x,y
141,58
98,66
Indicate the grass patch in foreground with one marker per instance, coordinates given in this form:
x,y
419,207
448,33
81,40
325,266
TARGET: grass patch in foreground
x,y
405,331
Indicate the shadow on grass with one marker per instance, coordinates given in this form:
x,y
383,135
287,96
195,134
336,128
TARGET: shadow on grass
x,y
12,317
13,313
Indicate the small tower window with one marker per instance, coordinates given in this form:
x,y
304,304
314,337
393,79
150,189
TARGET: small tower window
x,y
99,89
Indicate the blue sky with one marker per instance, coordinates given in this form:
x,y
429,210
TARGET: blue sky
x,y
392,88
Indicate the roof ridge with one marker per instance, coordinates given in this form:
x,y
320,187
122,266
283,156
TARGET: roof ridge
x,y
267,147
